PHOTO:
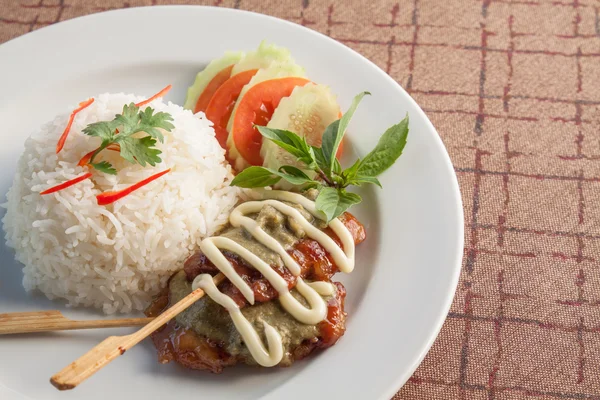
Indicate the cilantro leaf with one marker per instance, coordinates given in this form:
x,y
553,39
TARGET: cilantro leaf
x,y
139,151
129,119
105,130
104,166
150,123
124,130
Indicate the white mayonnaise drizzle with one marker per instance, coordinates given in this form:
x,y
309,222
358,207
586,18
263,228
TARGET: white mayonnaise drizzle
x,y
312,292
323,288
259,353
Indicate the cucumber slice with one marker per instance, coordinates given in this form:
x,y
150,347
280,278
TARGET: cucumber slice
x,y
262,58
257,59
307,112
207,74
274,71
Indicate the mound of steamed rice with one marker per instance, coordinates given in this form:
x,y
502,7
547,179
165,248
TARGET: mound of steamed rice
x,y
115,257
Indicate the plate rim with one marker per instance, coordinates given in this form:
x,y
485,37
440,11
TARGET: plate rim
x,y
454,185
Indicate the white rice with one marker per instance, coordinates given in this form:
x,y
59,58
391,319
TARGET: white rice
x,y
115,257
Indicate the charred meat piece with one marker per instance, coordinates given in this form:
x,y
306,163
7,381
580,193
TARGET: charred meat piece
x,y
176,342
204,336
315,262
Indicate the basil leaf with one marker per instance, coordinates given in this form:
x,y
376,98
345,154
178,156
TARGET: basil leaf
x,y
337,167
335,132
296,172
387,151
309,159
293,175
333,202
360,179
312,185
350,173
338,181
320,160
329,137
290,142
282,138
253,177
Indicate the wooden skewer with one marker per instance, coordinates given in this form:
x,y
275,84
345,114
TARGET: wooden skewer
x,y
114,346
46,321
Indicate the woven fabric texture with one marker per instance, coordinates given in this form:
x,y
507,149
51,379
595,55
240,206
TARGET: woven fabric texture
x,y
513,88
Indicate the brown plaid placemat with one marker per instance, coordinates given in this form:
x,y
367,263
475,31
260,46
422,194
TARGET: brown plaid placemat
x,y
513,88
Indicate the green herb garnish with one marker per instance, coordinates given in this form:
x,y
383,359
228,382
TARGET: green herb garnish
x,y
124,131
333,198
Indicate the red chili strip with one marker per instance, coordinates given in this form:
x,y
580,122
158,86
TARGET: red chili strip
x,y
110,197
86,159
67,184
65,134
156,96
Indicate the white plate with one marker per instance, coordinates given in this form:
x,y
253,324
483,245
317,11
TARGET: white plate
x,y
406,272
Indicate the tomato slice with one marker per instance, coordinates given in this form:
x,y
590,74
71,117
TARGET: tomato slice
x,y
256,108
211,88
221,105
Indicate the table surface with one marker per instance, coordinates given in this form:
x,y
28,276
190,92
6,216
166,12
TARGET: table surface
x,y
513,88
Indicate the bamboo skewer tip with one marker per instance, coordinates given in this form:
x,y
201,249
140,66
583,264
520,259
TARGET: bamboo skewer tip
x,y
112,347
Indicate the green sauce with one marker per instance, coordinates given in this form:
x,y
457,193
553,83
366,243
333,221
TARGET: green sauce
x,y
209,319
